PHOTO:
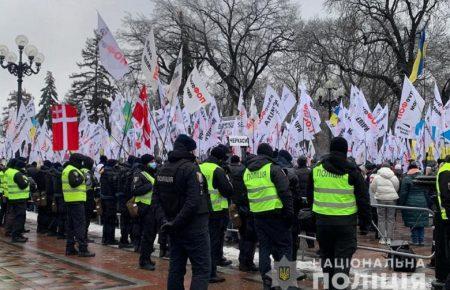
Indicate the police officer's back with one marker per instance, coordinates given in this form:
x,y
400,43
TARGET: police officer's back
x,y
270,202
74,194
17,191
337,195
442,225
178,194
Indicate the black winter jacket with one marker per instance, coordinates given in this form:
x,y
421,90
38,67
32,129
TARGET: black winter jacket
x,y
192,200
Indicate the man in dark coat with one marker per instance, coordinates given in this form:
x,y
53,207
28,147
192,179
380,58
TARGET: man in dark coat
x,y
180,194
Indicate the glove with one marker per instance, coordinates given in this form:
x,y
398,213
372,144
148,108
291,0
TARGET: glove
x,y
167,227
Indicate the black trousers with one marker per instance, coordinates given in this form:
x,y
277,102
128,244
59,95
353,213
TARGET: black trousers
x,y
89,211
109,217
3,207
44,218
216,234
337,246
61,216
126,224
192,246
76,226
147,221
275,238
442,247
247,241
16,215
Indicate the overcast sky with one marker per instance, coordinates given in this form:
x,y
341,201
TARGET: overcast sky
x,y
59,28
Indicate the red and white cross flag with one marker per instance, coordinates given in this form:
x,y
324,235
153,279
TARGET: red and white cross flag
x,y
64,127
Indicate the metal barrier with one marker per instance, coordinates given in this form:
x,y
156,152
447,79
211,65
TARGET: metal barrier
x,y
386,250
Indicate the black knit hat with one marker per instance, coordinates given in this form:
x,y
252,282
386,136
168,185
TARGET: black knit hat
x,y
339,144
265,149
286,155
147,158
219,152
184,143
301,161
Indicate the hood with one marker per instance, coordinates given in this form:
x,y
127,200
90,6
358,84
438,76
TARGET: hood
x,y
337,163
386,172
212,159
176,155
258,161
283,162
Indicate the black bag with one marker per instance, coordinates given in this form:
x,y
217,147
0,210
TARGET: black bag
x,y
307,220
402,263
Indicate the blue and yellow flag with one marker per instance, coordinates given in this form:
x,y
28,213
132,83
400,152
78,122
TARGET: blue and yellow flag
x,y
418,63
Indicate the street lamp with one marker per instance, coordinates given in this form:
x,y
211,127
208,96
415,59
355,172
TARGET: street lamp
x,y
330,95
21,68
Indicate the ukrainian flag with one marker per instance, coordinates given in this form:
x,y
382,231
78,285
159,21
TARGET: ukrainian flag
x,y
334,118
418,63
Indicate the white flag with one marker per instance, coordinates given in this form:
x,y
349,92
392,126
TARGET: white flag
x,y
410,110
287,103
195,94
111,57
149,63
176,79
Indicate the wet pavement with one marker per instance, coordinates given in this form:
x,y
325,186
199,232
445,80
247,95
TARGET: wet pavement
x,y
41,264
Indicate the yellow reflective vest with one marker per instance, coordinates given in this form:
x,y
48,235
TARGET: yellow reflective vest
x,y
444,167
146,198
218,202
333,195
261,191
12,191
73,194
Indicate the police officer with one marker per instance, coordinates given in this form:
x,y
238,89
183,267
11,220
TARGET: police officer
x,y
181,196
40,198
300,201
247,233
270,202
442,225
108,190
337,193
142,189
125,194
74,193
61,209
220,190
17,191
91,188
3,201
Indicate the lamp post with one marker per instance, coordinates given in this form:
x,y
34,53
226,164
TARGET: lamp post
x,y
330,96
21,68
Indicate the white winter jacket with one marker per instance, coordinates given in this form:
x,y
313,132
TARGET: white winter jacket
x,y
384,185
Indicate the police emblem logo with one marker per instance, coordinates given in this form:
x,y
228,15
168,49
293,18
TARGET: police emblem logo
x,y
284,273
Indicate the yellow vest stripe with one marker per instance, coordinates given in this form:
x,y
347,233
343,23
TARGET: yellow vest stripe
x,y
444,167
218,202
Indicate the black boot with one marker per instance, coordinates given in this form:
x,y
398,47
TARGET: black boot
x,y
71,252
19,239
147,266
86,254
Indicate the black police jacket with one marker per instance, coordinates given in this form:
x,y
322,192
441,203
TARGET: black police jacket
x,y
108,183
180,193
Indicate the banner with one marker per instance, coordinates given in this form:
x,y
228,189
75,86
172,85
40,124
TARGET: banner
x,y
111,57
195,94
149,63
410,110
65,127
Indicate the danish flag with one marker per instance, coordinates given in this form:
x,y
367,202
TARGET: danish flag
x,y
141,114
64,127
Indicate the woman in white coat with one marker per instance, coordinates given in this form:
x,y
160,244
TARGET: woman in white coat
x,y
384,188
